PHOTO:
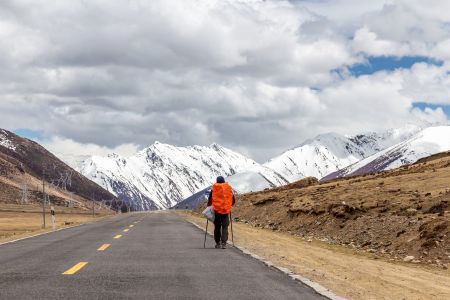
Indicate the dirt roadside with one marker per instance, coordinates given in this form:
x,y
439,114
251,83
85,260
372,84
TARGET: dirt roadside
x,y
342,270
401,214
21,221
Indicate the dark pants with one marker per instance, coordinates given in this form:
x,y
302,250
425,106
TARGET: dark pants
x,y
221,223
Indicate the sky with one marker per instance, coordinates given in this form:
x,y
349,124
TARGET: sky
x,y
94,77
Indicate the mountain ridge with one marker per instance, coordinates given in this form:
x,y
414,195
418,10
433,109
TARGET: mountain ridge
x,y
173,173
161,175
424,143
327,153
26,162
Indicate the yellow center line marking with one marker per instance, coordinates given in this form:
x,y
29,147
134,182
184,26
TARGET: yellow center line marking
x,y
103,247
126,230
118,236
75,268
131,226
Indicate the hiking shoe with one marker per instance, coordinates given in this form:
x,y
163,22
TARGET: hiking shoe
x,y
217,246
224,246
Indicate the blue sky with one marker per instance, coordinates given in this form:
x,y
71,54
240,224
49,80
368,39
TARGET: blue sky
x,y
389,63
423,105
30,134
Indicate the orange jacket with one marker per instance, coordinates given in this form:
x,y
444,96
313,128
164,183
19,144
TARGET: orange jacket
x,y
222,198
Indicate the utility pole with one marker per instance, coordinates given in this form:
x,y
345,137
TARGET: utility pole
x,y
43,197
24,199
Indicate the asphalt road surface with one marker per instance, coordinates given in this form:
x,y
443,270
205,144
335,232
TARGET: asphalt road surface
x,y
137,256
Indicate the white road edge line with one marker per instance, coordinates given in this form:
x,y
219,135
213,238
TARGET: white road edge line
x,y
42,233
51,231
321,290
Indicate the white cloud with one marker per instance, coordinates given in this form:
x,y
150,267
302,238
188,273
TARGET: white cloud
x,y
73,152
258,76
343,12
426,83
369,43
430,115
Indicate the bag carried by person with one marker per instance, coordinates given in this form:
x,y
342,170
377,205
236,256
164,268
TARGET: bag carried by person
x,y
209,213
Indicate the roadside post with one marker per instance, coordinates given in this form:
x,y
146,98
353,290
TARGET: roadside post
x,y
93,206
43,198
206,232
232,235
52,212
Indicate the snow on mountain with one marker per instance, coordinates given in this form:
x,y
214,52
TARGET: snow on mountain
x,y
330,152
246,182
429,141
161,175
75,161
5,141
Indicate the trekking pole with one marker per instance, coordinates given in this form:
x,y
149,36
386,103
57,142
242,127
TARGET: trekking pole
x,y
206,231
232,235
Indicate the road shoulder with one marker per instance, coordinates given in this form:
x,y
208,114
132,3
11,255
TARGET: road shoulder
x,y
346,273
19,225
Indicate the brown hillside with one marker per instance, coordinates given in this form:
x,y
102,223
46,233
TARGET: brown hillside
x,y
29,162
397,213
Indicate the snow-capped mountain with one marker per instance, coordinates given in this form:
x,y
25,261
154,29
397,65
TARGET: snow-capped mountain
x,y
162,175
330,152
429,141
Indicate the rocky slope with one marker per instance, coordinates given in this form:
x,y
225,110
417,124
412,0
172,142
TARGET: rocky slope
x,y
403,214
24,163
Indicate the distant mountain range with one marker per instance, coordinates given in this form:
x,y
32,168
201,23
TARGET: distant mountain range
x,y
330,152
162,175
424,143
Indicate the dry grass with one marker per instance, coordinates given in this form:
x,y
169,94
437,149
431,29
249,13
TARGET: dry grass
x,y
342,270
398,213
17,221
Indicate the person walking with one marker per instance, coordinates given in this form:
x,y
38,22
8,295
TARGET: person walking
x,y
222,200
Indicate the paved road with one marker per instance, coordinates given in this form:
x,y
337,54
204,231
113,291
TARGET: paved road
x,y
161,256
